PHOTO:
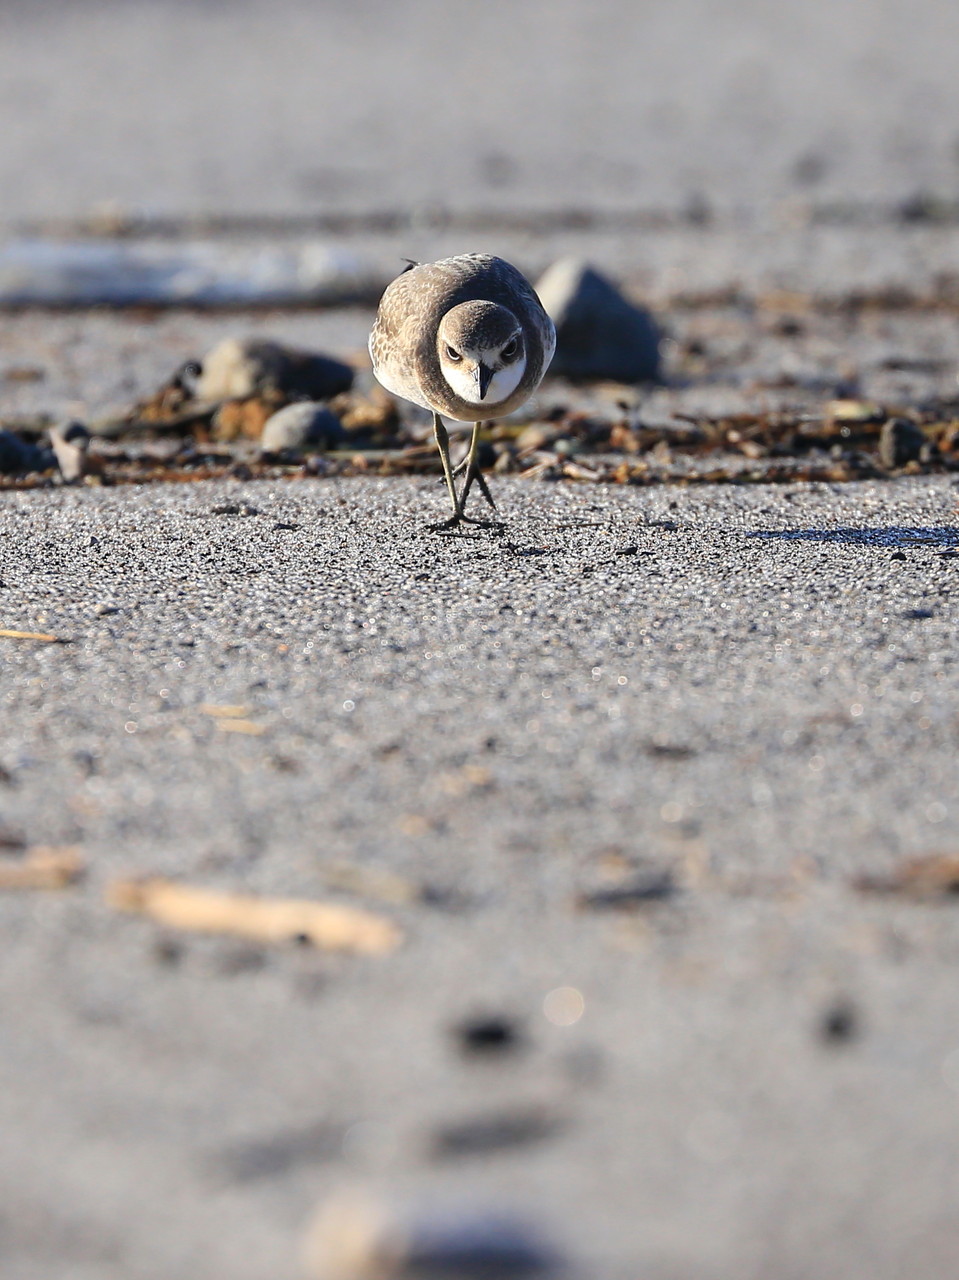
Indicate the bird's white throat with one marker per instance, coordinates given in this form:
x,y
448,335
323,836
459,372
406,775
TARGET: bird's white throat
x,y
502,384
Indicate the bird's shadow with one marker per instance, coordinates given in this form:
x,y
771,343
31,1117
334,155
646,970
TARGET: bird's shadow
x,y
894,536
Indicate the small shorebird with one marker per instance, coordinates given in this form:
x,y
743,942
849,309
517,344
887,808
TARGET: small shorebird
x,y
466,338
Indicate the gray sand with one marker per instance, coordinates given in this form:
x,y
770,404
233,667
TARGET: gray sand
x,y
293,106
753,688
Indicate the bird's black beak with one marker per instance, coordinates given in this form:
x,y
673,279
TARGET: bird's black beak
x,y
484,377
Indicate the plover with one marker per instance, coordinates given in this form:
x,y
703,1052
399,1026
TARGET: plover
x,y
466,338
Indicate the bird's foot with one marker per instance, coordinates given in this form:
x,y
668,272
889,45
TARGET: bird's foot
x,y
447,526
485,524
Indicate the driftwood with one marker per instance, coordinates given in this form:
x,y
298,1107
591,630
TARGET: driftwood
x,y
329,926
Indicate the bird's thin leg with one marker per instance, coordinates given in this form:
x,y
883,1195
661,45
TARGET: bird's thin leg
x,y
467,459
484,488
469,465
443,444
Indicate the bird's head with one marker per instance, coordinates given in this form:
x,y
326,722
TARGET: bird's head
x,y
481,351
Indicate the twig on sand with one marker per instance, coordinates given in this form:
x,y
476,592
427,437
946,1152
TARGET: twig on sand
x,y
42,867
329,926
43,636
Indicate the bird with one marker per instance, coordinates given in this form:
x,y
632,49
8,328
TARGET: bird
x,y
466,338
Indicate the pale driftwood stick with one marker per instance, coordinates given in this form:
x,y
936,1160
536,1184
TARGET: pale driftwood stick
x,y
42,868
43,636
330,926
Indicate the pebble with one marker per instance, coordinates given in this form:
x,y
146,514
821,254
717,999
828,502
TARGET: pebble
x,y
301,426
839,1023
487,1036
495,1131
356,1237
237,368
648,886
599,334
11,454
900,441
17,457
70,442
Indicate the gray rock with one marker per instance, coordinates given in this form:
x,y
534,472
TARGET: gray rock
x,y
355,1237
18,457
11,454
900,441
70,442
301,426
599,335
238,368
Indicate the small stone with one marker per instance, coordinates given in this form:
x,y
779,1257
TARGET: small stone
x,y
236,960
504,1130
301,426
489,1035
355,1237
599,334
17,457
104,610
900,441
239,368
645,886
11,454
669,751
24,373
839,1023
70,442
168,952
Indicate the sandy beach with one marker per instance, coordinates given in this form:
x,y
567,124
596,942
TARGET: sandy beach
x,y
658,780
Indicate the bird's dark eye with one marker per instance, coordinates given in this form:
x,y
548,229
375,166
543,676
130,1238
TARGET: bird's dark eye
x,y
510,349
453,354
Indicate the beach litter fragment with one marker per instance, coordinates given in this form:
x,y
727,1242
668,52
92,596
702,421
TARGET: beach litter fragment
x,y
934,876
248,727
355,1236
371,882
43,636
494,1131
42,867
328,926
634,891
